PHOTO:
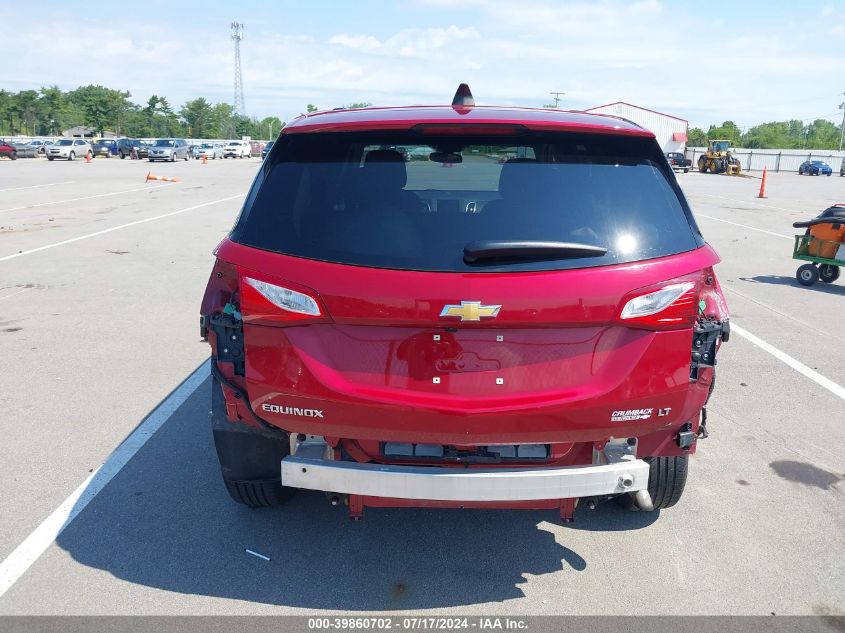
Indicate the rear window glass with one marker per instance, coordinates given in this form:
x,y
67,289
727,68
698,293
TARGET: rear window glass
x,y
406,201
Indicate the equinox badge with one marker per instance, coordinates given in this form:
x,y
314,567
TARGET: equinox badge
x,y
470,311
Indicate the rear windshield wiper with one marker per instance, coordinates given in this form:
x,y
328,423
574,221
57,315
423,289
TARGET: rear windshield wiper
x,y
527,250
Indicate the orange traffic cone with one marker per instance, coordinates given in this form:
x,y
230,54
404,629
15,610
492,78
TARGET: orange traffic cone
x,y
162,178
762,193
204,159
88,157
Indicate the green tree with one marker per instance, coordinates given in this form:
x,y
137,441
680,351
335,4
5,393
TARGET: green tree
x,y
102,107
197,115
269,127
727,131
696,137
223,126
310,108
823,135
358,104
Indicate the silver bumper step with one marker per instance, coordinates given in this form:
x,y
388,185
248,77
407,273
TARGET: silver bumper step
x,y
309,469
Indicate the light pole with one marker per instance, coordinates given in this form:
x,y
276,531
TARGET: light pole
x,y
842,127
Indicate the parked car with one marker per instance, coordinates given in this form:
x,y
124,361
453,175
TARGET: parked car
x,y
462,337
237,149
168,149
678,161
418,153
39,146
69,149
106,147
210,150
24,150
814,168
266,149
125,145
8,150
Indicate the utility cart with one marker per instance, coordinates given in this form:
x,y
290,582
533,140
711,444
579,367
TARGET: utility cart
x,y
823,245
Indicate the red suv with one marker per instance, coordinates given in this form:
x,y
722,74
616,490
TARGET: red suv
x,y
462,306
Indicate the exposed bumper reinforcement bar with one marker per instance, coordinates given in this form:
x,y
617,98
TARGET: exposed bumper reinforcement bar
x,y
312,471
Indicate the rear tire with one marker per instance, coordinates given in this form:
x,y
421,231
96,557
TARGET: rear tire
x,y
667,478
250,458
258,494
702,165
807,274
71,156
13,155
828,273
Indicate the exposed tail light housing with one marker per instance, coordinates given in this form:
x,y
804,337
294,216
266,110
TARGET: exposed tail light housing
x,y
278,301
285,298
667,306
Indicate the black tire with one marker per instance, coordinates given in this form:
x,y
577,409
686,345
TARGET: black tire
x,y
258,494
807,274
71,156
249,458
667,477
702,165
828,273
13,155
122,156
686,170
50,158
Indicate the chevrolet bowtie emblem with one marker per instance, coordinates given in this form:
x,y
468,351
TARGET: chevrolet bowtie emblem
x,y
470,311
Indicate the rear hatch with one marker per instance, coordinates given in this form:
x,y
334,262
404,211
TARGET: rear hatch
x,y
500,287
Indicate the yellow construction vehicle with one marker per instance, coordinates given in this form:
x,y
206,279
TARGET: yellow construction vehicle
x,y
718,159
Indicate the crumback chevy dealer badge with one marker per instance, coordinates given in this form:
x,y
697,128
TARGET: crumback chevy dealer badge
x,y
631,415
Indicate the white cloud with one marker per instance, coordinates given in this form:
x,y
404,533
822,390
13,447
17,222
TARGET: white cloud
x,y
364,42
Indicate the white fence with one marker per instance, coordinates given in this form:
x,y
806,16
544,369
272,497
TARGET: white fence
x,y
774,159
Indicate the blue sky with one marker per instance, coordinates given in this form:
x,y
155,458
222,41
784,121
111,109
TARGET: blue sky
x,y
751,62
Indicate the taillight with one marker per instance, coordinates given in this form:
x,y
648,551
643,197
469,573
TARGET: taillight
x,y
666,306
266,301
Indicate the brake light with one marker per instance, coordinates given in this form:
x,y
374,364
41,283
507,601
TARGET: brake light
x,y
671,305
266,301
464,129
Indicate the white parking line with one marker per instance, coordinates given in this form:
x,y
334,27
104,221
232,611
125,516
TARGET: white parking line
x,y
49,184
117,228
99,195
745,226
801,368
25,554
765,305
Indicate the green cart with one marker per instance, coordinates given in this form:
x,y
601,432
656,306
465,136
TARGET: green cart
x,y
821,268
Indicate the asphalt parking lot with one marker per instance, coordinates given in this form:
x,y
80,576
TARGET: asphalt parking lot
x,y
101,275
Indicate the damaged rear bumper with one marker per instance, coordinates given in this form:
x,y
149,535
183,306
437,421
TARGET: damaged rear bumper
x,y
309,468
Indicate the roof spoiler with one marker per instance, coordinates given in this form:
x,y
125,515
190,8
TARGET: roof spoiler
x,y
463,97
